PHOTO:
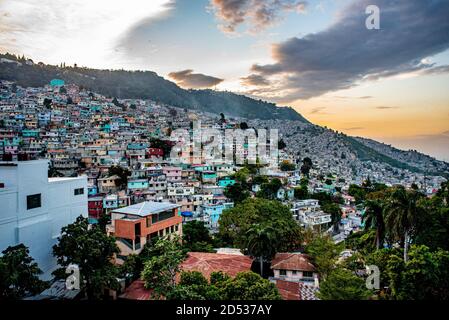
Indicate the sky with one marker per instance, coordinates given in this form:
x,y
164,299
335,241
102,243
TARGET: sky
x,y
318,56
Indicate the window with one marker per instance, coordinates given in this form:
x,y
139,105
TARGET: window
x,y
78,191
283,272
294,272
33,201
307,274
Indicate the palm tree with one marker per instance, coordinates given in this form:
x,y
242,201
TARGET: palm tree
x,y
402,211
374,218
261,242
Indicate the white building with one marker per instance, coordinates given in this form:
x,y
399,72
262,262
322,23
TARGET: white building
x,y
34,208
308,213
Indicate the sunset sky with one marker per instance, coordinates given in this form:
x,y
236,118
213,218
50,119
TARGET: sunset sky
x,y
390,84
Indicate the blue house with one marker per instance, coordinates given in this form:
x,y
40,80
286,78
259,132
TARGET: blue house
x,y
92,190
57,83
138,184
214,211
226,182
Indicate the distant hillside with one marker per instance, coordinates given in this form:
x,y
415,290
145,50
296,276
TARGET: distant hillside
x,y
142,85
420,161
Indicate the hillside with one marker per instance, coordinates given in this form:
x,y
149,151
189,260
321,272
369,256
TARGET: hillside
x,y
142,85
353,156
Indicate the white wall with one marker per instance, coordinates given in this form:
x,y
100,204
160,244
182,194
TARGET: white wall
x,y
38,228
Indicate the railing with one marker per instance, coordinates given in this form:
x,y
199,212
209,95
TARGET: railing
x,y
127,243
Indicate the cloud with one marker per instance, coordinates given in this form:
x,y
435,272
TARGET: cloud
x,y
254,80
386,108
347,53
318,110
259,14
188,79
73,31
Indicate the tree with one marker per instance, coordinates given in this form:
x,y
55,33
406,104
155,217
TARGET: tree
x,y
269,190
301,193
92,251
235,223
249,286
122,173
324,253
342,284
287,166
281,144
307,164
237,193
159,272
373,218
261,242
132,267
196,237
334,210
245,286
19,274
402,213
424,276
47,103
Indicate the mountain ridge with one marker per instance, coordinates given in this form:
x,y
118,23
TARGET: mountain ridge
x,y
142,85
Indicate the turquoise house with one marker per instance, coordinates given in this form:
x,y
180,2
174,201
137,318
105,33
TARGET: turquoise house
x,y
226,182
137,146
138,184
57,83
92,190
30,133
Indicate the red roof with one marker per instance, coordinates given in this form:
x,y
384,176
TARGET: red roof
x,y
292,261
295,290
137,291
206,263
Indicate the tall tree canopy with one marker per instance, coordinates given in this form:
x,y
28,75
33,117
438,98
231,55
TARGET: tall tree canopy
x,y
92,251
269,221
19,274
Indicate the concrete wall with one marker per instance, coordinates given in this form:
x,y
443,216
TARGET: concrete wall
x,y
38,228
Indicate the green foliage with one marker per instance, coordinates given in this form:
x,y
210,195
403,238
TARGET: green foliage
x,y
324,253
122,173
196,237
238,225
281,144
269,190
92,250
301,193
424,276
159,272
307,164
132,267
287,166
237,193
245,286
342,284
402,212
334,210
19,274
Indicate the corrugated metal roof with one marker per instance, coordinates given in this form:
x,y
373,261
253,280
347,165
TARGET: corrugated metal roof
x,y
147,208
